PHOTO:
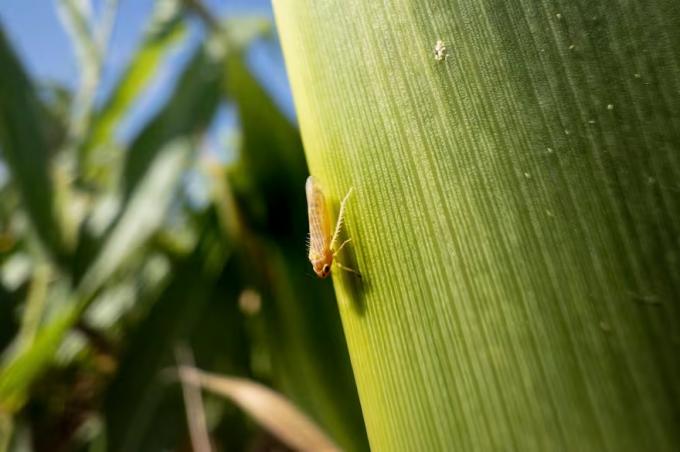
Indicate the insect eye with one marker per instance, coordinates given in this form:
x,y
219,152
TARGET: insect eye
x,y
326,268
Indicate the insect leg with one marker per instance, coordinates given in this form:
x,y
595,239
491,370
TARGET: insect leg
x,y
341,246
347,269
341,218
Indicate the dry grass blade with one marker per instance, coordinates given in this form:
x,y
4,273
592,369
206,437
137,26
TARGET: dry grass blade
x,y
271,410
198,430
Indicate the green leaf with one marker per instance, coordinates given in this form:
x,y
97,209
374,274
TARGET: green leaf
x,y
164,31
24,147
6,427
272,158
304,333
187,112
34,306
76,16
515,211
185,115
137,401
240,31
308,353
142,217
17,375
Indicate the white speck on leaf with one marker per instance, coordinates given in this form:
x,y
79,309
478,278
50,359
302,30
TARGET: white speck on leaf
x,y
610,106
440,52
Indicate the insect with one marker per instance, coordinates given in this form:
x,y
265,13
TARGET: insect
x,y
440,52
322,249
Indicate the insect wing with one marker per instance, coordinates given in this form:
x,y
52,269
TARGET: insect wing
x,y
319,221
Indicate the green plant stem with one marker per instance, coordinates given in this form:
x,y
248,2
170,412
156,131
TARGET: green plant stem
x,y
35,305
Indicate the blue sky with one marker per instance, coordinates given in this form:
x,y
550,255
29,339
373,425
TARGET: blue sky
x,y
44,47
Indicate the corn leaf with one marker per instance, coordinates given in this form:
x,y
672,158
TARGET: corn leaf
x,y
515,214
17,375
165,29
136,405
143,216
24,148
304,333
187,112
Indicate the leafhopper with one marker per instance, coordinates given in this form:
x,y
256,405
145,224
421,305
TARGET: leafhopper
x,y
322,246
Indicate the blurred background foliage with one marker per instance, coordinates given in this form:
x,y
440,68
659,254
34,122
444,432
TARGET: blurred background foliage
x,y
185,228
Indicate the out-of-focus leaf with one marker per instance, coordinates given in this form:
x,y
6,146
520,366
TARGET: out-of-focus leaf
x,y
187,112
166,29
241,31
56,103
76,16
6,425
270,409
90,40
273,161
137,393
143,215
34,306
310,358
24,147
195,98
19,373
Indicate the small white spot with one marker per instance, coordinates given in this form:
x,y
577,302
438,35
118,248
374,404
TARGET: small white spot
x,y
636,75
549,213
550,150
567,132
572,47
558,15
591,121
610,106
527,175
440,52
